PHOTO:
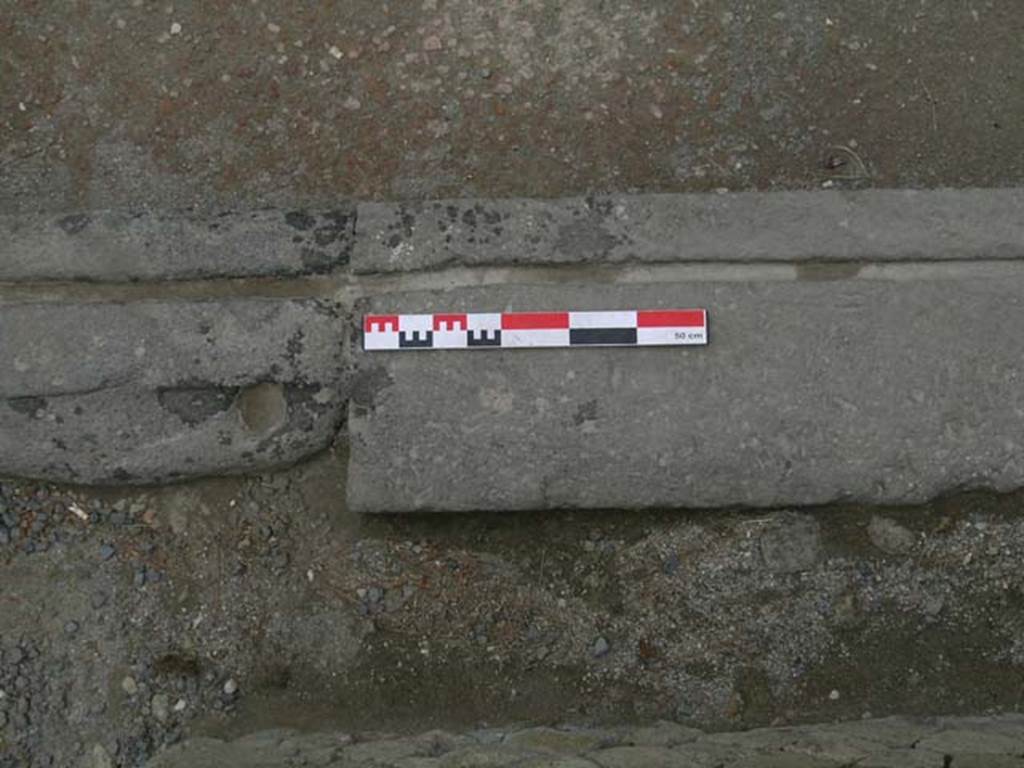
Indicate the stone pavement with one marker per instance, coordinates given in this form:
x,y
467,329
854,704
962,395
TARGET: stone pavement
x,y
981,742
864,347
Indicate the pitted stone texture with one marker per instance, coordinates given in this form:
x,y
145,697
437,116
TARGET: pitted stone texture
x,y
873,225
56,349
809,392
173,245
149,392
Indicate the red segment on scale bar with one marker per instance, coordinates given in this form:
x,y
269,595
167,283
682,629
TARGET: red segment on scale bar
x,y
671,318
534,321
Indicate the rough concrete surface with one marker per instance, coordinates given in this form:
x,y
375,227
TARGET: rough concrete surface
x,y
809,391
891,743
875,225
152,391
173,245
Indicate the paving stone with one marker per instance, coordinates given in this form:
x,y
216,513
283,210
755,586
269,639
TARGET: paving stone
x,y
151,392
786,760
74,348
572,742
984,760
779,226
661,734
484,756
640,757
904,758
812,746
811,741
971,741
174,245
779,409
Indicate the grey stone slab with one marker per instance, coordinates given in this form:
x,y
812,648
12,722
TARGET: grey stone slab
x,y
173,245
879,225
155,391
53,349
809,392
133,435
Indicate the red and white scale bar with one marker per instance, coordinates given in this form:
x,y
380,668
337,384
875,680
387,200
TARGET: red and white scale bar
x,y
518,330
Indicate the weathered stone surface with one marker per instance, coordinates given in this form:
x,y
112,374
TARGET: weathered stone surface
x,y
876,225
173,245
809,392
139,393
54,349
764,748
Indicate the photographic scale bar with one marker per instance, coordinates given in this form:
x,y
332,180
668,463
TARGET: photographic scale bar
x,y
526,330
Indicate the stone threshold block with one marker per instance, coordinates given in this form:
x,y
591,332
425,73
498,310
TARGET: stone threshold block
x,y
147,245
870,225
164,390
861,390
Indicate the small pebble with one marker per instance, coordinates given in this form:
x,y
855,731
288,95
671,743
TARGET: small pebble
x,y
230,687
106,552
175,28
71,628
601,647
834,695
159,706
129,686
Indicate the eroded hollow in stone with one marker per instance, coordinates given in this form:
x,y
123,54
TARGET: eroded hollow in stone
x,y
263,407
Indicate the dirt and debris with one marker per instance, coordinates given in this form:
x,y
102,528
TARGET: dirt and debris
x,y
188,610
222,104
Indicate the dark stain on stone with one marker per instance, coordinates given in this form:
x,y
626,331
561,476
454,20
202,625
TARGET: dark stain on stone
x,y
586,412
28,406
316,260
469,217
408,221
194,405
394,241
74,223
298,239
300,220
818,271
325,235
368,383
295,346
603,206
